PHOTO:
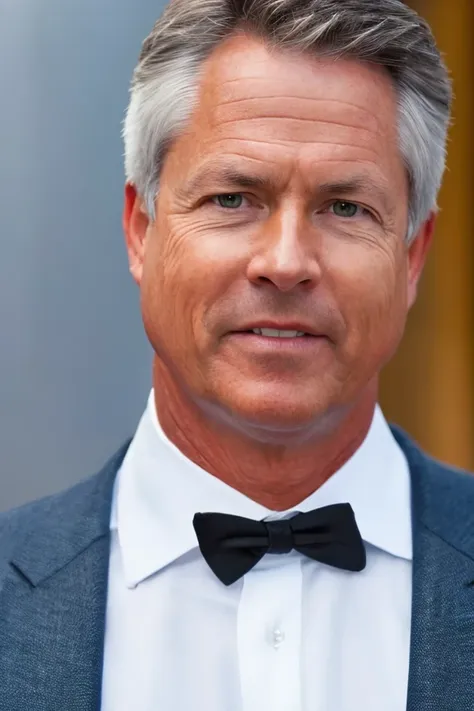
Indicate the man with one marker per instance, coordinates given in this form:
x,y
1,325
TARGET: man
x,y
266,541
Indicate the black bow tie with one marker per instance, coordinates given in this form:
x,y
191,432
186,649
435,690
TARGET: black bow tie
x,y
232,545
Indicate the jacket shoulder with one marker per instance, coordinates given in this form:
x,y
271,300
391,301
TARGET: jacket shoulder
x,y
442,495
87,499
441,478
14,523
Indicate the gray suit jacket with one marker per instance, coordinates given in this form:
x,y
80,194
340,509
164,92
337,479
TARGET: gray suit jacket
x,y
53,587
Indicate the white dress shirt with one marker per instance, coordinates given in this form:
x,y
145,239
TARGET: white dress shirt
x,y
292,634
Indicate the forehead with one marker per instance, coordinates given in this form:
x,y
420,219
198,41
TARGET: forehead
x,y
244,71
278,107
244,67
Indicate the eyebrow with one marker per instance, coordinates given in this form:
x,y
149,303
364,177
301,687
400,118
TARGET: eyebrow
x,y
234,178
227,175
357,184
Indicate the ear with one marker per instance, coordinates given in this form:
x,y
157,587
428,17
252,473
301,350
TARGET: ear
x,y
135,222
417,255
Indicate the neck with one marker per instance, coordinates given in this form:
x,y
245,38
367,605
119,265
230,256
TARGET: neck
x,y
276,475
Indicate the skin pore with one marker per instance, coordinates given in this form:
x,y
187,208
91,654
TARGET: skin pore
x,y
310,228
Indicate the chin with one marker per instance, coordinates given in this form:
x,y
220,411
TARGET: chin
x,y
272,416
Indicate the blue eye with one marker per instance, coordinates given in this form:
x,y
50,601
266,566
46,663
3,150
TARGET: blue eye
x,y
341,208
231,201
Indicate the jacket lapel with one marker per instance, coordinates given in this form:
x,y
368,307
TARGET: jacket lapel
x,y
441,674
53,602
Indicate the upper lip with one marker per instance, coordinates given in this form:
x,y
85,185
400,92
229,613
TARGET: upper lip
x,y
287,326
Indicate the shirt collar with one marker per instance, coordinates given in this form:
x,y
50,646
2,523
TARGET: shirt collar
x,y
158,490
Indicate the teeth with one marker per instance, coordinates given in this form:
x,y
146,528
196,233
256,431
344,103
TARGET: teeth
x,y
273,333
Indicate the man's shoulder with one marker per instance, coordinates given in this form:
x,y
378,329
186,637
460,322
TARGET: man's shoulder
x,y
15,522
443,495
88,500
434,474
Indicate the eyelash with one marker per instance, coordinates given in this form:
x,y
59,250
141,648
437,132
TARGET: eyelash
x,y
363,210
214,199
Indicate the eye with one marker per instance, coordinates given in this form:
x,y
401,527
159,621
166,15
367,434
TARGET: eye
x,y
342,208
231,201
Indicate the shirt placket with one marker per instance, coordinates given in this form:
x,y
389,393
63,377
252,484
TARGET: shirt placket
x,y
269,637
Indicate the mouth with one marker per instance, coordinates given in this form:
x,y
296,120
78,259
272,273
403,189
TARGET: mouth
x,y
277,333
279,342
281,330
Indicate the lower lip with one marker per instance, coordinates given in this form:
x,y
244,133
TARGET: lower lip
x,y
298,344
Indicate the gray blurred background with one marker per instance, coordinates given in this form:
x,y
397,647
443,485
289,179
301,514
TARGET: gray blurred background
x,y
74,362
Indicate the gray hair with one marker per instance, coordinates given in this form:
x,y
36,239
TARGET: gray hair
x,y
384,32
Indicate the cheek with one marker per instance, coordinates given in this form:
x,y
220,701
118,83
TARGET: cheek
x,y
203,261
372,296
184,275
164,293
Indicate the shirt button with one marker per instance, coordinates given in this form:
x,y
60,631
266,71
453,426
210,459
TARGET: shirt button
x,y
278,637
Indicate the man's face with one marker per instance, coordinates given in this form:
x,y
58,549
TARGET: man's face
x,y
285,203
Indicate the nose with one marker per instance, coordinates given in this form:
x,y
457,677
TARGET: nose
x,y
286,253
